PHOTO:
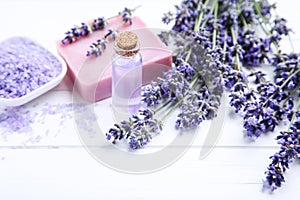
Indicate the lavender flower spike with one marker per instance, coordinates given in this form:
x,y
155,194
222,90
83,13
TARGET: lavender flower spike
x,y
289,151
97,48
127,14
80,31
137,131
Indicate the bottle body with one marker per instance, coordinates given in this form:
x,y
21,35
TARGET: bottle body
x,y
126,84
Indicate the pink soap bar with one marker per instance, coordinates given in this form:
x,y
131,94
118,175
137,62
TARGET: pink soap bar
x,y
92,75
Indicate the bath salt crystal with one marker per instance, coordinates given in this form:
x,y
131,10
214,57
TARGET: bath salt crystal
x,y
24,67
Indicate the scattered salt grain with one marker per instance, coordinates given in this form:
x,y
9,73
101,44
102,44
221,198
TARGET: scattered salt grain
x,y
21,120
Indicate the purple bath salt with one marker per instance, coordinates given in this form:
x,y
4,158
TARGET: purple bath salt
x,y
25,66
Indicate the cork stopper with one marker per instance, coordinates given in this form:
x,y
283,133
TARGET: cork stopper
x,y
127,43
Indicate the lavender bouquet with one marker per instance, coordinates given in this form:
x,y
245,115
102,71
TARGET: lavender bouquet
x,y
221,46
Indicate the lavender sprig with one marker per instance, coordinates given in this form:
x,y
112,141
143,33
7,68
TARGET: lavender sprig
x,y
77,32
289,151
202,102
127,15
85,29
99,46
263,114
287,67
137,131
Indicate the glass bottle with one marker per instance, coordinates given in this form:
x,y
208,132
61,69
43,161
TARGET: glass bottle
x,y
126,75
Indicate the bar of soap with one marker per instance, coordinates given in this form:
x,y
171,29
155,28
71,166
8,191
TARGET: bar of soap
x,y
27,70
92,75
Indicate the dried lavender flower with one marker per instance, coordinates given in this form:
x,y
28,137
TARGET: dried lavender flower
x,y
196,108
281,160
280,27
126,15
263,115
239,95
77,32
172,87
83,30
186,15
137,131
255,50
287,71
248,13
98,24
265,8
97,48
168,17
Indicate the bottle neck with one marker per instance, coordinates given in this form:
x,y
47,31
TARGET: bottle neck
x,y
127,52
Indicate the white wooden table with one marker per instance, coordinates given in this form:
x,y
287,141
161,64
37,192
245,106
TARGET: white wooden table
x,y
57,166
